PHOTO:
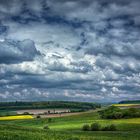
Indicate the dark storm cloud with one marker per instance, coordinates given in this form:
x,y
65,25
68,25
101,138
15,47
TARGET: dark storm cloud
x,y
3,29
17,51
90,49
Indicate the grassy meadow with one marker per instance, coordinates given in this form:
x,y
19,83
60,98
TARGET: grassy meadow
x,y
69,128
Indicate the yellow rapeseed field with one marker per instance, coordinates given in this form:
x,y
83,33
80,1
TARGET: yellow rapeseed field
x,y
16,117
125,105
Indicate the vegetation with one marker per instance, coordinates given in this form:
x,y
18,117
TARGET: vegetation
x,y
26,113
74,138
86,127
69,128
130,102
49,120
95,127
16,117
46,127
125,105
38,116
114,112
50,104
7,113
111,127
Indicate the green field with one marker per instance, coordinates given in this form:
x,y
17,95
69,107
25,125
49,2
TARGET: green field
x,y
69,128
7,113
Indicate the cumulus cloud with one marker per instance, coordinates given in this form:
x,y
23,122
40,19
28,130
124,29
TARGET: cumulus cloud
x,y
69,50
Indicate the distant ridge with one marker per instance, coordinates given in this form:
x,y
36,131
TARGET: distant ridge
x,y
130,102
48,104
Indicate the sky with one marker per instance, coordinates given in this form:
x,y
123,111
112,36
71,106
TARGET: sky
x,y
75,50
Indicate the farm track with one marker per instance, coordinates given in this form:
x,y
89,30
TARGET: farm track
x,y
67,114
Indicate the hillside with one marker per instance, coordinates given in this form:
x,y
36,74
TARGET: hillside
x,y
48,104
130,102
69,128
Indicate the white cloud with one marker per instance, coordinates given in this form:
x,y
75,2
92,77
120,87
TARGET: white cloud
x,y
88,49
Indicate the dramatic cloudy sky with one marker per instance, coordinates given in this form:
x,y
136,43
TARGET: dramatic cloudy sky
x,y
85,50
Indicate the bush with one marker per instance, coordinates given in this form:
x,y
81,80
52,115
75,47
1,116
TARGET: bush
x,y
86,127
49,120
118,115
113,112
111,127
95,127
38,116
26,113
46,127
106,128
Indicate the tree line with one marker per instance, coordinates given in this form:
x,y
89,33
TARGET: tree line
x,y
48,104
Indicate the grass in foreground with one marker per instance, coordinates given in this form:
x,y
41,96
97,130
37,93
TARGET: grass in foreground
x,y
23,133
66,128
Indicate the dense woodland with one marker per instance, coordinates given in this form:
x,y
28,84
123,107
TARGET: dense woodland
x,y
114,112
130,102
48,104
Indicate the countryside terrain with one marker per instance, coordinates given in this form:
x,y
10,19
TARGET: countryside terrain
x,y
70,127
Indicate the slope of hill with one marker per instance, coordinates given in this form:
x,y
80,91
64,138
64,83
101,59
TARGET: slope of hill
x,y
69,128
130,102
47,104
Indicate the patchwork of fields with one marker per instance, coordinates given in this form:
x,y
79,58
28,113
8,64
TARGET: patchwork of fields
x,y
69,128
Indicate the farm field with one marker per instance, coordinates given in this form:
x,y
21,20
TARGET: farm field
x,y
125,104
7,113
19,117
69,128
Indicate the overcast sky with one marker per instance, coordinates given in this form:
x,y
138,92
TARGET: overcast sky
x,y
80,50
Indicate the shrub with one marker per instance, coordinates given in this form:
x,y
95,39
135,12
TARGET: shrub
x,y
132,112
113,112
95,127
111,127
106,128
118,115
46,127
38,116
26,113
86,127
49,120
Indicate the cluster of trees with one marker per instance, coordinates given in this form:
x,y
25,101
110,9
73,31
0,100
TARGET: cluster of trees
x,y
114,112
97,127
130,102
48,104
